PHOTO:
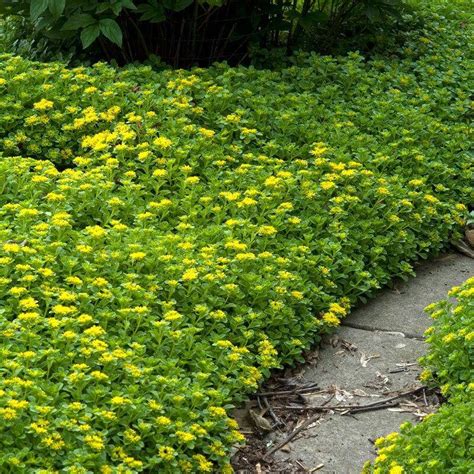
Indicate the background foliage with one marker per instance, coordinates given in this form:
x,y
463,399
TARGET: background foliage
x,y
187,32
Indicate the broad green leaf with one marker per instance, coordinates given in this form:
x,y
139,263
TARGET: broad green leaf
x,y
128,4
104,6
177,5
153,13
111,30
37,7
82,20
56,7
90,34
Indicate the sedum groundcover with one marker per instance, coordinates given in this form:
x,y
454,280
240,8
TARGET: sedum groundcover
x,y
169,237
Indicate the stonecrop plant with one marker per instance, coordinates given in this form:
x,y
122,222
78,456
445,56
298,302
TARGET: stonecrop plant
x,y
443,442
167,238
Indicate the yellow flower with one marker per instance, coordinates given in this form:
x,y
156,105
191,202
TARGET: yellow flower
x,y
207,133
396,470
131,436
119,401
319,149
217,411
100,282
28,316
191,180
160,173
331,319
54,442
337,308
94,331
203,463
62,310
18,404
67,296
136,256
425,375
166,452
267,230
96,231
17,290
11,248
272,181
449,338
162,142
55,197
297,295
28,303
326,185
73,280
84,248
115,201
190,275
163,421
233,118
154,405
96,442
43,105
245,203
172,316
85,318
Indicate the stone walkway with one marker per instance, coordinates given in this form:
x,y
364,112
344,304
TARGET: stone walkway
x,y
371,356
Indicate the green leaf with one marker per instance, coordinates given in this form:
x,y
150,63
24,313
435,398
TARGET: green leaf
x,y
153,12
111,30
128,4
56,7
37,7
103,7
89,35
177,5
82,20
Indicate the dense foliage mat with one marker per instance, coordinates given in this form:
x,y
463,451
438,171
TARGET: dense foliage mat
x,y
443,442
168,238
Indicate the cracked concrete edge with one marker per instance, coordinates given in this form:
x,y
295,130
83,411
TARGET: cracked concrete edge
x,y
363,327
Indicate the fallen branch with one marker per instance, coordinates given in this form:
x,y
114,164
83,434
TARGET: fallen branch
x,y
302,427
380,404
280,445
268,407
296,391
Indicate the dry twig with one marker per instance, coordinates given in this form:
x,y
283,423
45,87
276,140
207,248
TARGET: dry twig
x,y
378,405
302,427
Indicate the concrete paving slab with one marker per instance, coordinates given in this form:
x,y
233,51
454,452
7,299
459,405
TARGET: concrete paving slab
x,y
382,353
402,309
342,443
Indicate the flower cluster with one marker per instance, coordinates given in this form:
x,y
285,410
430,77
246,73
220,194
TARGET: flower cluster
x,y
167,238
443,441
